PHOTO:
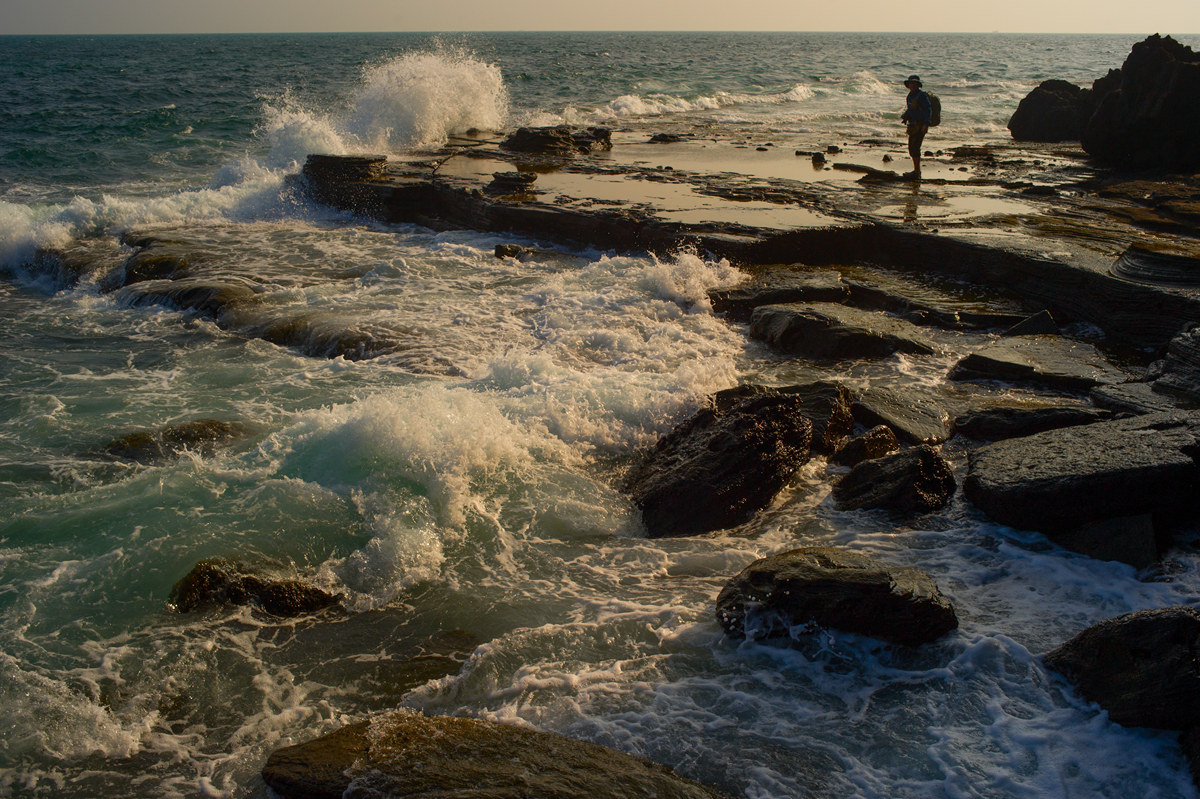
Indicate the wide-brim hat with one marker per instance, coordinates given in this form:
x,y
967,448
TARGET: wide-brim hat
x,y
912,79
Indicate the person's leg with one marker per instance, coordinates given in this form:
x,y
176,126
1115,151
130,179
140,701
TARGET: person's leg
x,y
916,137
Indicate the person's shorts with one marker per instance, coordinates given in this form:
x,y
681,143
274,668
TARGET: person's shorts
x,y
916,135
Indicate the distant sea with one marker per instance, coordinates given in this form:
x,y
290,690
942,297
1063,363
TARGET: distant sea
x,y
463,481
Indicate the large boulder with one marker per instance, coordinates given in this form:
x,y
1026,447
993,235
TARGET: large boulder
x,y
916,480
828,331
1148,115
722,465
1049,361
404,754
1060,480
828,587
1140,667
215,583
1055,111
825,404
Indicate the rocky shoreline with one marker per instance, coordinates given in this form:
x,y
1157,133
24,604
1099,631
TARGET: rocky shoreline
x,y
1072,286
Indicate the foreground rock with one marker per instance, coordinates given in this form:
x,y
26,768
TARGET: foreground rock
x,y
1055,111
1140,667
997,424
826,405
216,583
1061,480
916,480
1148,113
832,588
722,465
1044,360
403,754
828,331
202,436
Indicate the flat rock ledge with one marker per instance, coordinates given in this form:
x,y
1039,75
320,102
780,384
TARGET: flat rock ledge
x,y
827,587
404,754
828,331
722,465
1040,359
1060,481
1140,667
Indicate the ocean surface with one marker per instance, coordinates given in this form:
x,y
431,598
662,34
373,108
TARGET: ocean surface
x,y
460,491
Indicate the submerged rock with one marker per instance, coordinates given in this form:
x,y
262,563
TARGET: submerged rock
x,y
1060,480
404,754
916,480
721,466
1140,667
1045,360
216,582
828,331
828,587
198,435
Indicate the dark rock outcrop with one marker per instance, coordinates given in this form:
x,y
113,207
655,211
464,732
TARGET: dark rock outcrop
x,y
1140,667
1134,398
825,404
215,583
1148,115
996,424
875,443
832,588
914,417
1181,368
828,331
1055,111
199,435
1061,480
775,288
404,754
558,140
916,480
720,466
1044,360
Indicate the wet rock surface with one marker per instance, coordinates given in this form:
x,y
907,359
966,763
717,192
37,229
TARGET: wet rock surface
x,y
875,443
916,480
404,754
995,424
721,466
828,587
828,331
202,436
1140,667
216,583
1045,360
825,404
915,417
1062,479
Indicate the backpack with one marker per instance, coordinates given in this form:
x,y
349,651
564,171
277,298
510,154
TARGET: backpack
x,y
935,108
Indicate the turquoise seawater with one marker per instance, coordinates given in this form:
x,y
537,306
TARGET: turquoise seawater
x,y
464,482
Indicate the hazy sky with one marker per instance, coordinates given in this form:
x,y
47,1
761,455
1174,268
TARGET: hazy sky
x,y
227,16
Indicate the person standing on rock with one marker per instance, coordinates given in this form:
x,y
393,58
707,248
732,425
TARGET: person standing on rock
x,y
917,116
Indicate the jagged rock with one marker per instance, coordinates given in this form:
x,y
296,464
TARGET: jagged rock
x,y
829,331
558,140
826,405
405,754
1046,360
778,287
513,251
914,417
1060,480
719,467
1181,368
1148,114
875,443
198,435
216,582
1055,111
828,587
996,424
346,167
1140,667
1041,323
916,480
